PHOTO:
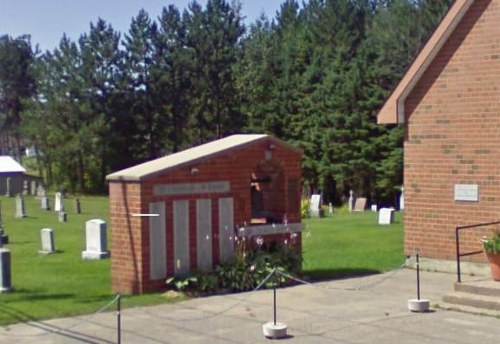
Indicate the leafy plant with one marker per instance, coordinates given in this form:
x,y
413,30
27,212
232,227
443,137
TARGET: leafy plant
x,y
181,283
305,204
492,244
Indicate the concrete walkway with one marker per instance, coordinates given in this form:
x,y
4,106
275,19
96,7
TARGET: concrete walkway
x,y
321,313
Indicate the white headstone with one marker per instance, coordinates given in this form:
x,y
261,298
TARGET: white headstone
x,y
20,206
95,238
58,203
47,236
316,206
386,216
5,283
374,207
402,199
350,201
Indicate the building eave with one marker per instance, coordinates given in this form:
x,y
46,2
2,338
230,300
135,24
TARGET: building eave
x,y
393,110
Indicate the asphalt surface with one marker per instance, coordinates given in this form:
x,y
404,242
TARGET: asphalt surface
x,y
370,309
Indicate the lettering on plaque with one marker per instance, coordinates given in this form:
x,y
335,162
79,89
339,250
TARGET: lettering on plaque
x,y
191,188
467,192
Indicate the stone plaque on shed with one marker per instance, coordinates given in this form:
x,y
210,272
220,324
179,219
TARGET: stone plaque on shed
x,y
204,233
181,237
157,241
226,229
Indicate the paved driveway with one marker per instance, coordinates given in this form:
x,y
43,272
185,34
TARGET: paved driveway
x,y
326,312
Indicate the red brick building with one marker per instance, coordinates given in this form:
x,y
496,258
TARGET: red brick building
x,y
449,103
184,211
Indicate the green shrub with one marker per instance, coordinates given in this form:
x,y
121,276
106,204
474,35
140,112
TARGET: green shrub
x,y
305,204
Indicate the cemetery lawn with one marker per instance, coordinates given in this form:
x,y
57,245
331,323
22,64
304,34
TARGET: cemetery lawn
x,y
59,284
62,284
343,245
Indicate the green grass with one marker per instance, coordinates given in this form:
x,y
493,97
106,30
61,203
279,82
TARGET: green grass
x,y
59,284
344,244
62,284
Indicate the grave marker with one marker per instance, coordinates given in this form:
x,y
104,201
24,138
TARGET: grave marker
x,y
40,191
95,238
386,216
360,204
316,206
47,238
33,187
20,212
58,203
77,206
350,201
45,203
8,187
5,283
402,199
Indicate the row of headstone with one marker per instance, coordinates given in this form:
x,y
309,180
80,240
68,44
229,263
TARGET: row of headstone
x,y
30,188
95,240
45,205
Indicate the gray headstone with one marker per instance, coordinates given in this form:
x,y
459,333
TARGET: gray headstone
x,y
40,191
95,239
33,187
226,229
181,237
47,237
157,241
9,191
316,206
45,203
20,212
350,201
62,216
5,283
58,202
386,216
204,233
77,206
26,188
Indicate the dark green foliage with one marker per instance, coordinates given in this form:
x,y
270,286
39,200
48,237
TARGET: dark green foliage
x,y
315,76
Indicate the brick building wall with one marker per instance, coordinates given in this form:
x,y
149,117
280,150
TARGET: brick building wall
x,y
130,243
452,136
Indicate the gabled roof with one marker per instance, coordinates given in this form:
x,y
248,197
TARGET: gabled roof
x,y
8,164
393,110
190,156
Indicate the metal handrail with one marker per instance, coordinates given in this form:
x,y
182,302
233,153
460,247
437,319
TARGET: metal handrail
x,y
457,241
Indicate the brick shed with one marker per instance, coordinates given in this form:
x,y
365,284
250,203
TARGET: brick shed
x,y
449,103
182,212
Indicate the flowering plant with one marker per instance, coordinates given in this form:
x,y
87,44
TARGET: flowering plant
x,y
491,244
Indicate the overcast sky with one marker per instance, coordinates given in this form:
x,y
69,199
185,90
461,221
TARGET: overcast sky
x,y
47,20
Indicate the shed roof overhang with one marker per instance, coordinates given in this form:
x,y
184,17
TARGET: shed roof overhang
x,y
393,110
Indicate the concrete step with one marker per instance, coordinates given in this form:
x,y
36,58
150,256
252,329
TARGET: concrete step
x,y
468,309
485,302
480,287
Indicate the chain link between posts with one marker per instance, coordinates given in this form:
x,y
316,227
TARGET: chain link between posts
x,y
51,329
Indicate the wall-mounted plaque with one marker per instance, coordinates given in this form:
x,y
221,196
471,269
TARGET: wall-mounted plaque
x,y
467,192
